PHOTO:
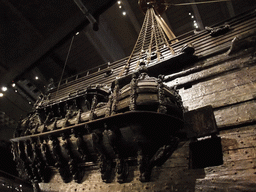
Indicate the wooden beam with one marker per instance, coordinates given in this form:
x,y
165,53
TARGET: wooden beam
x,y
230,8
197,15
3,67
55,57
105,42
74,22
131,16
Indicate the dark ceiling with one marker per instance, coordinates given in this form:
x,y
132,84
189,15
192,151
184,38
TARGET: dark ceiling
x,y
35,38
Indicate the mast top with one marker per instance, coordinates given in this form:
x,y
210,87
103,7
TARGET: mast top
x,y
159,6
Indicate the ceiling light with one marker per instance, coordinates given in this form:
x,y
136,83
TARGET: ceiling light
x,y
77,33
1,94
36,78
194,21
120,6
124,13
15,90
118,2
189,13
192,16
4,89
13,85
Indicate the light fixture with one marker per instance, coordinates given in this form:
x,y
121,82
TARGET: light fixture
x,y
13,85
15,90
124,13
189,13
120,6
4,88
1,94
192,16
118,2
36,78
77,33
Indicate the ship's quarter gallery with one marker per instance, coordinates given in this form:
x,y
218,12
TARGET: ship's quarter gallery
x,y
129,95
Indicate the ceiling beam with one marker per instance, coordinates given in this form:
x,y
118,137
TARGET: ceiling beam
x,y
132,16
3,67
60,35
164,16
197,15
55,57
21,16
230,8
105,42
90,35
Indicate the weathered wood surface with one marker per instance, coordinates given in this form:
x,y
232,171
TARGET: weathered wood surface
x,y
237,173
230,87
228,83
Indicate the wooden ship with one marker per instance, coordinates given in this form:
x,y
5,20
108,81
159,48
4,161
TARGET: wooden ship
x,y
178,114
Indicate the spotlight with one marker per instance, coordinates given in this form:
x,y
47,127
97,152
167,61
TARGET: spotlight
x,y
118,2
36,78
1,94
124,13
192,16
4,88
13,85
77,33
120,6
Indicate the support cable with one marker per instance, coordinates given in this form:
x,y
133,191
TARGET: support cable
x,y
69,49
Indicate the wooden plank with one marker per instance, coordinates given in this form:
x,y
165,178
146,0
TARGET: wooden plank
x,y
223,98
214,71
220,83
237,114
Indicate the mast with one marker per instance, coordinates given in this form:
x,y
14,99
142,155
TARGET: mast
x,y
154,35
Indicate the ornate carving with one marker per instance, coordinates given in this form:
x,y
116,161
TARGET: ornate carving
x,y
143,162
115,96
109,106
77,173
133,85
94,104
60,162
105,163
60,135
161,97
216,31
122,169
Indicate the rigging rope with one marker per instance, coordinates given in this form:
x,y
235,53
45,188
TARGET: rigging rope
x,y
153,34
66,60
